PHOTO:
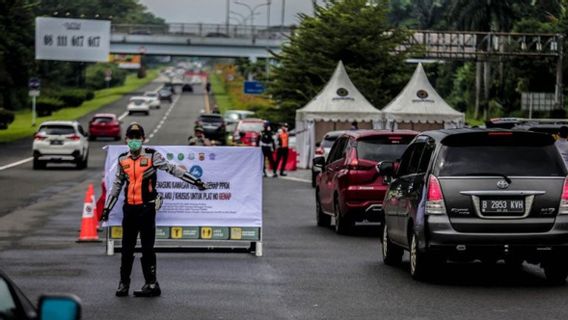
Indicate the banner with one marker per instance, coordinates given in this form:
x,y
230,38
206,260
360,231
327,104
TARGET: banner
x,y
234,175
72,39
126,61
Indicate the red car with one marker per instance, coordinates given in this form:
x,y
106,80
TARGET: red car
x,y
104,125
349,187
247,131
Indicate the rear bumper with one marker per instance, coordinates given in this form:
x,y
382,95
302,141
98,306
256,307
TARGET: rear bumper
x,y
439,233
365,210
104,133
60,156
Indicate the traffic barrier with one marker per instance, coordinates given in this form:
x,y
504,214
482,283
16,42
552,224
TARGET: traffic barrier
x,y
291,162
89,220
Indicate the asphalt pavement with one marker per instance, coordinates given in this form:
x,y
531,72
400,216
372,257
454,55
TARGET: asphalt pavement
x,y
306,272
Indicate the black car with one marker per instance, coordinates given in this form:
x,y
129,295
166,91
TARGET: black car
x,y
187,88
214,126
15,305
469,194
165,94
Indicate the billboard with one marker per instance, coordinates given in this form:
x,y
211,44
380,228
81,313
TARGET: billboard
x,y
126,61
72,39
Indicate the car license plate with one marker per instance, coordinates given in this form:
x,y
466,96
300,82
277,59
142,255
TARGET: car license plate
x,y
503,206
56,142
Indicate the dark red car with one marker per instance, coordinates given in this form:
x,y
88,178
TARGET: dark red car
x,y
247,131
104,125
349,187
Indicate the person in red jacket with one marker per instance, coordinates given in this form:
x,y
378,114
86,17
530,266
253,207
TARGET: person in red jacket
x,y
138,170
282,151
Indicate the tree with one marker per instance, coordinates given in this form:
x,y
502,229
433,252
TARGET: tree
x,y
353,31
482,15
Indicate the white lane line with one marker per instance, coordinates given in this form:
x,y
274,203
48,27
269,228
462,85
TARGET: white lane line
x,y
295,179
164,118
17,163
122,116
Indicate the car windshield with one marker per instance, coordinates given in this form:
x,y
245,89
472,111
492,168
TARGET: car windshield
x,y
382,148
231,116
57,129
507,160
138,101
251,126
151,94
99,120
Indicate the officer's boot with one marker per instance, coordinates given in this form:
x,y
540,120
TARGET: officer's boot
x,y
151,288
125,270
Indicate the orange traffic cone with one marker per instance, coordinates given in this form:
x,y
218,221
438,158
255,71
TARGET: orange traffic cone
x,y
89,221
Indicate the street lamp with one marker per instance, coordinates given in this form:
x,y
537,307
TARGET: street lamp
x,y
252,9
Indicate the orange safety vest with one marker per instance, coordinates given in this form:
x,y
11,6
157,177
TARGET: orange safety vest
x,y
284,140
141,181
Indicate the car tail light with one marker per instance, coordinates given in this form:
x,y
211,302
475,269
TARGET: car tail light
x,y
39,137
564,199
73,137
352,161
499,133
435,197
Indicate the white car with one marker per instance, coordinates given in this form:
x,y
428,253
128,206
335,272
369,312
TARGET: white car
x,y
138,104
60,141
153,99
196,80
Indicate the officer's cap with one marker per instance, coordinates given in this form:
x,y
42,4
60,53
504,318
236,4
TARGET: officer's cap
x,y
135,131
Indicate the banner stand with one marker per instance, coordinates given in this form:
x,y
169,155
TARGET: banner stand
x,y
113,244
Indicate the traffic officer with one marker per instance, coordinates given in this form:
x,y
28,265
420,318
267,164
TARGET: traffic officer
x,y
199,138
282,152
267,145
138,169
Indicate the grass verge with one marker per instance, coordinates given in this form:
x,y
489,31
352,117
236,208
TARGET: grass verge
x,y
222,98
21,127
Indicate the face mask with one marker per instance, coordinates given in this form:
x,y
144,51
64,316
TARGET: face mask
x,y
134,144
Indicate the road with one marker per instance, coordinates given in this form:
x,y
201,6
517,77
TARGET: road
x,y
306,272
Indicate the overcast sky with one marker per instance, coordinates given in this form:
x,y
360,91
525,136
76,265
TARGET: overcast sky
x,y
214,11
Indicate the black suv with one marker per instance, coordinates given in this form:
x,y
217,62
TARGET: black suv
x,y
469,194
214,126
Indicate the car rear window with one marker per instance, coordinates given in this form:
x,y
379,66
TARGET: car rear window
x,y
382,148
251,126
99,120
151,94
328,141
210,119
527,154
57,130
138,101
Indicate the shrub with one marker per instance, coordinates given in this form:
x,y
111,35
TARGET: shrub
x,y
45,106
71,97
6,117
95,78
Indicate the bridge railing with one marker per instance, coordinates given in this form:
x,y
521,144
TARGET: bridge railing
x,y
205,30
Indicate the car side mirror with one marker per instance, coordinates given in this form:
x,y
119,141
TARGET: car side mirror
x,y
319,163
62,307
386,169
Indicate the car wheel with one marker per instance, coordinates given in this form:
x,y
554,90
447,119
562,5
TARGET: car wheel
x,y
420,262
343,225
117,138
158,107
322,219
82,163
514,263
147,113
38,164
556,271
92,138
392,254
129,113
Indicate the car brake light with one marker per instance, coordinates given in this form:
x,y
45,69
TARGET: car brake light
x,y
352,161
435,197
564,199
39,137
500,133
74,137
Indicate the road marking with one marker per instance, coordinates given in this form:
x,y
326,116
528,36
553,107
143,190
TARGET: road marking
x,y
164,118
122,116
295,179
17,163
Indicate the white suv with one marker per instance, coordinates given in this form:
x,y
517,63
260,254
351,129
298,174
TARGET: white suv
x,y
153,99
60,141
138,104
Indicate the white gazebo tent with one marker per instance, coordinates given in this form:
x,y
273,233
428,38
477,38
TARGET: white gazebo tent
x,y
334,108
419,107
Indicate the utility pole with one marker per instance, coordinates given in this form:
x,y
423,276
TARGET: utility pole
x,y
283,13
227,17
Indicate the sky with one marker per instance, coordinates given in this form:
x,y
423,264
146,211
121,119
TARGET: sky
x,y
214,11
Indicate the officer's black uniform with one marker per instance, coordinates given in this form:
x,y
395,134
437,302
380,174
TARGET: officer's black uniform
x,y
267,145
138,170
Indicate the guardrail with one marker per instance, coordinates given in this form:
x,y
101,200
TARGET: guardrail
x,y
205,30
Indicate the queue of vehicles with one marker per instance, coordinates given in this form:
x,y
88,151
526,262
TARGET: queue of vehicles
x,y
451,195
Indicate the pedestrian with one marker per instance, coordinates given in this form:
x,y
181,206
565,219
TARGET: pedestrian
x,y
354,125
282,152
562,143
267,146
138,169
199,139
